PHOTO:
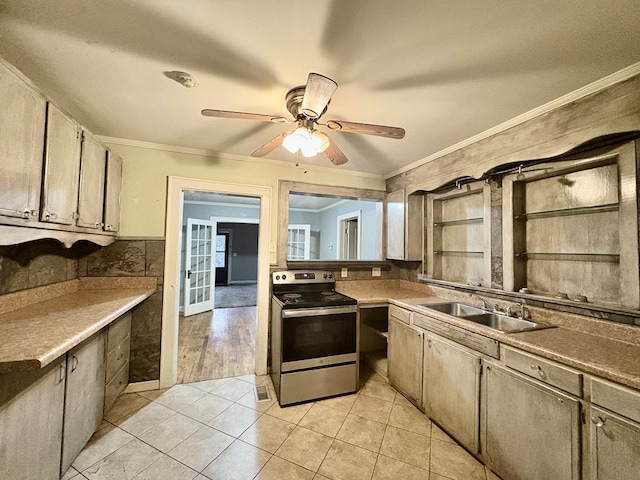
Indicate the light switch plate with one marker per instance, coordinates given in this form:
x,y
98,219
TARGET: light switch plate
x,y
343,272
376,272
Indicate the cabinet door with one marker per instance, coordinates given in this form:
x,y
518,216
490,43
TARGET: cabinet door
x,y
31,409
22,117
112,193
404,359
91,193
84,400
530,431
451,390
395,225
61,169
615,447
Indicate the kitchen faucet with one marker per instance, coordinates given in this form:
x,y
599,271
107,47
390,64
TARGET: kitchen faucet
x,y
490,307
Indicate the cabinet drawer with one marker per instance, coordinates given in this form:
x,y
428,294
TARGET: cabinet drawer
x,y
616,398
117,357
116,386
118,331
546,371
476,342
400,313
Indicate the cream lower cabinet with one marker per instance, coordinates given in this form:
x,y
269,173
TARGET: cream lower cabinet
x,y
451,389
31,407
404,357
614,446
529,431
84,396
614,432
117,357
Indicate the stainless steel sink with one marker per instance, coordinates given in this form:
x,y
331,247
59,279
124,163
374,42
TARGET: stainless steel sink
x,y
504,323
494,320
452,308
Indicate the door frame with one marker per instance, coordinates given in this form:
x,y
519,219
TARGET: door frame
x,y
171,291
341,219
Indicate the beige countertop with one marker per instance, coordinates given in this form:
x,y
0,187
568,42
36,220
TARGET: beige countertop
x,y
592,351
41,324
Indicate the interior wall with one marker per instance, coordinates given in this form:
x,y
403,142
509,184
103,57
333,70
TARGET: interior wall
x,y
243,255
145,173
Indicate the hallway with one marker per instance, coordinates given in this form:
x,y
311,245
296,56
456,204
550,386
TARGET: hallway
x,y
217,344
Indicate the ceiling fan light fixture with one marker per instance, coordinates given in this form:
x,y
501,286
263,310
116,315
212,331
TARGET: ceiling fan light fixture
x,y
308,142
319,141
296,139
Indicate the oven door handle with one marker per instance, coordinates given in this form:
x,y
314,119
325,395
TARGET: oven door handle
x,y
314,312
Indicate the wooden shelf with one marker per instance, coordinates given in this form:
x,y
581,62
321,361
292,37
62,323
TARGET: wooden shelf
x,y
462,221
570,256
379,326
457,252
611,207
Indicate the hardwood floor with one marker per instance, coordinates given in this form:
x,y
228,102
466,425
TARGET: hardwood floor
x,y
217,344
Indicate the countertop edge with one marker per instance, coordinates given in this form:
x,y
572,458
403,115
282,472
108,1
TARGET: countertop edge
x,y
138,295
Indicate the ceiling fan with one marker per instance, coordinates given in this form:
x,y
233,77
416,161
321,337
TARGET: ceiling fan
x,y
307,103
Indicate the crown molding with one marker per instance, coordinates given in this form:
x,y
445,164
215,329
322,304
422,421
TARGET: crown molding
x,y
227,156
594,87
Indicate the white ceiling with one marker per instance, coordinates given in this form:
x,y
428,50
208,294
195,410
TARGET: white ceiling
x,y
443,70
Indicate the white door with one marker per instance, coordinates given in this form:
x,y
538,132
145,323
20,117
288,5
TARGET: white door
x,y
199,268
299,242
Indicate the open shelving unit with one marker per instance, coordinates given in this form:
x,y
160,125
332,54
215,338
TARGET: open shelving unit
x,y
374,335
458,247
572,229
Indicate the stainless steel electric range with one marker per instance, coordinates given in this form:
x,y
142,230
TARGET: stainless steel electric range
x,y
314,337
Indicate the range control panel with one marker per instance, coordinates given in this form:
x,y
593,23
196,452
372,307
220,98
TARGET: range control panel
x,y
293,277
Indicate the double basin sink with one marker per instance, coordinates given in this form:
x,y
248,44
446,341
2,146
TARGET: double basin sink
x,y
493,320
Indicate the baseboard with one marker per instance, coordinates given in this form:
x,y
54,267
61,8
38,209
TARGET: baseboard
x,y
142,386
242,282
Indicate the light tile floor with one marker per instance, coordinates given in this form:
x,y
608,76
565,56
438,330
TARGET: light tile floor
x,y
216,430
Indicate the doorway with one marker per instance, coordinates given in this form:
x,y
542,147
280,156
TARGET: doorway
x,y
216,333
259,318
349,235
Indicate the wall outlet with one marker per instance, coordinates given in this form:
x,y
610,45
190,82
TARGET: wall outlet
x,y
343,272
376,272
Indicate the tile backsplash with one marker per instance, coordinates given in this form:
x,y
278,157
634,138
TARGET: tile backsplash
x,y
45,262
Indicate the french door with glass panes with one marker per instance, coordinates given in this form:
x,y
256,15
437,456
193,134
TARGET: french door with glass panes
x,y
199,267
299,242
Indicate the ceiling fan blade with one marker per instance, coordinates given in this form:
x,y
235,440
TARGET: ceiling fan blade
x,y
244,116
366,128
317,94
269,146
335,154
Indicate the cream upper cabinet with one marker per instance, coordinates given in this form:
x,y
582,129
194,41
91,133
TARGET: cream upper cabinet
x,y
22,118
112,193
404,226
61,169
91,189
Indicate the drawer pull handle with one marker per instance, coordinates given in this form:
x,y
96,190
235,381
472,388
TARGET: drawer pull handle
x,y
536,367
598,421
74,364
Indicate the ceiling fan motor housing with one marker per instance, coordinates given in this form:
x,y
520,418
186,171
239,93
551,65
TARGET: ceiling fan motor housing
x,y
294,99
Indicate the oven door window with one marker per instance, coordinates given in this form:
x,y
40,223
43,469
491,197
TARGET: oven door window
x,y
319,336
